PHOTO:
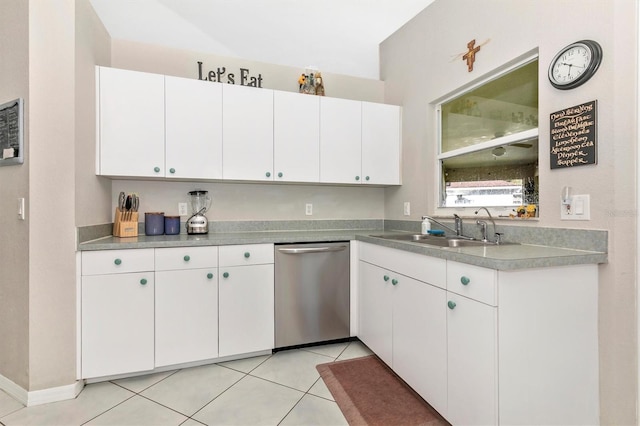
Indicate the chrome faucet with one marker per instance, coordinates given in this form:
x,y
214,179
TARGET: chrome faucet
x,y
484,226
457,226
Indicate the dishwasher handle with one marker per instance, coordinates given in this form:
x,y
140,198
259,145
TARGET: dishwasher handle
x,y
305,250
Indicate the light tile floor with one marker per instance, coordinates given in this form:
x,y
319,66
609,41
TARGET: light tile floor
x,y
280,389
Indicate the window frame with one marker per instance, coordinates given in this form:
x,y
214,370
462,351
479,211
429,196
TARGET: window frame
x,y
529,134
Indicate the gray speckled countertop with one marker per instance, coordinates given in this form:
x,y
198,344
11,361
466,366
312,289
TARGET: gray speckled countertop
x,y
504,257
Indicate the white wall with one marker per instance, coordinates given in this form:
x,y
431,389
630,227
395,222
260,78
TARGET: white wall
x,y
14,184
419,64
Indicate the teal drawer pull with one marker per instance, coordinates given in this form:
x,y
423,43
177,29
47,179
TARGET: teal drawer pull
x,y
187,258
386,278
226,275
394,281
357,177
280,174
117,261
464,280
209,275
367,178
268,174
143,281
451,304
172,170
156,169
247,254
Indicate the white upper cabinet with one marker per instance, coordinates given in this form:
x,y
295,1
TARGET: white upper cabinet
x,y
131,123
340,140
381,144
296,137
193,128
247,127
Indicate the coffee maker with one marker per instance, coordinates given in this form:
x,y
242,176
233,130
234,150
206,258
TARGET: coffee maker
x,y
200,203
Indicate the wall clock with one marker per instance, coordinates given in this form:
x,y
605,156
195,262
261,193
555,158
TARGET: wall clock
x,y
575,64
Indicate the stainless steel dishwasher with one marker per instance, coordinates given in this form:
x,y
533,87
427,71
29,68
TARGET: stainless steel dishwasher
x,y
311,293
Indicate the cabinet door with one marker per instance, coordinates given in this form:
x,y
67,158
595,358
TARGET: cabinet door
x,y
246,312
186,316
472,368
193,128
380,144
296,132
117,324
340,140
420,339
131,123
247,133
375,310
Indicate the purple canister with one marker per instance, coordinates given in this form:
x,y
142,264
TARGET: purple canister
x,y
172,225
154,223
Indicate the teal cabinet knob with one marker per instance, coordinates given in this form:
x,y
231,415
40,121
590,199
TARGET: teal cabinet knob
x,y
268,174
209,275
117,261
187,258
451,304
357,177
156,169
464,280
226,275
247,254
386,277
280,174
172,170
394,281
366,178
143,281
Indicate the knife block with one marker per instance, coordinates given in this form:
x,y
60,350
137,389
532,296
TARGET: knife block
x,y
125,224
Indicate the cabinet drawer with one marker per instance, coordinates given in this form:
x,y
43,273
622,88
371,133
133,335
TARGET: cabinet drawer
x,y
473,282
116,261
251,254
174,258
423,268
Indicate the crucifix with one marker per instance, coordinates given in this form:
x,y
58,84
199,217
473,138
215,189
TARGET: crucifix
x,y
470,56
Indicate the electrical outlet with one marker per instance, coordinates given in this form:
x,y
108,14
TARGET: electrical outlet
x,y
182,209
21,208
308,209
407,208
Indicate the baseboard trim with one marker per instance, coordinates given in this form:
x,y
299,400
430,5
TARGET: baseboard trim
x,y
43,396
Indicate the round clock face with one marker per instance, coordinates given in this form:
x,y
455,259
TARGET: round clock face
x,y
575,64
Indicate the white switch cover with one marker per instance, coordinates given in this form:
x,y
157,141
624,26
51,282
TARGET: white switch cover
x,y
580,208
21,208
182,209
407,208
308,209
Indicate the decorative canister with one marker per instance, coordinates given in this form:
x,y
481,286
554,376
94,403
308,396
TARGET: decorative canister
x,y
154,223
172,225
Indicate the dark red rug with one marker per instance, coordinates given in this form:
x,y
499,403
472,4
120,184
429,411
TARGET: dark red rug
x,y
369,393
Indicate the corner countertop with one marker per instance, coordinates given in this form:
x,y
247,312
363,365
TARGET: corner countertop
x,y
507,257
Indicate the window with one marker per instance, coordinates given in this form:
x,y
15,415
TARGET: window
x,y
489,142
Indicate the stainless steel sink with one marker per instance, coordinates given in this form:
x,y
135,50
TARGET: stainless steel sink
x,y
439,241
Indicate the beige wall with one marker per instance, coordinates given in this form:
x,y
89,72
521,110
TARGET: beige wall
x,y
14,184
417,66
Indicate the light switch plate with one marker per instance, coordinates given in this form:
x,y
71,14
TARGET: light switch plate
x,y
308,209
407,208
580,208
182,209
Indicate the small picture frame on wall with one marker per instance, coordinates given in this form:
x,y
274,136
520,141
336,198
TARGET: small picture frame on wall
x,y
11,133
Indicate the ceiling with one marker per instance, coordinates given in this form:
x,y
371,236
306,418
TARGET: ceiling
x,y
336,36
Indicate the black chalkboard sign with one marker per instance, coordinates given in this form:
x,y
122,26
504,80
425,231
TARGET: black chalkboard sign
x,y
11,133
573,136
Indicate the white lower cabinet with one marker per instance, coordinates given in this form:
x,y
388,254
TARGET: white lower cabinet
x,y
471,362
117,312
246,299
532,358
143,309
186,311
403,320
